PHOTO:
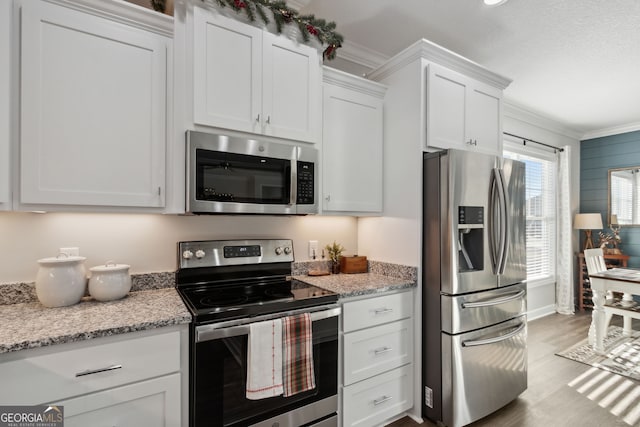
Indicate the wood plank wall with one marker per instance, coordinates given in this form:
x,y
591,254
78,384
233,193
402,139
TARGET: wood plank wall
x,y
597,156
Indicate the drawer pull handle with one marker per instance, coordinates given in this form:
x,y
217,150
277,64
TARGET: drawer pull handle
x,y
381,350
97,371
382,311
381,400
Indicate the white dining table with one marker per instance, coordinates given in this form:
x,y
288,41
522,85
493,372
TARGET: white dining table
x,y
625,280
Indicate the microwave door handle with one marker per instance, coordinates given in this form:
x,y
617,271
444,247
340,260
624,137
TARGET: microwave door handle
x,y
294,177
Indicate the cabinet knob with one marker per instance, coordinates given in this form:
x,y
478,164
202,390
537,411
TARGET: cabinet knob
x,y
327,197
268,120
258,119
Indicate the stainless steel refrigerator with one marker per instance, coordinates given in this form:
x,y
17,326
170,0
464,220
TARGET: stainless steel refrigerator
x,y
474,291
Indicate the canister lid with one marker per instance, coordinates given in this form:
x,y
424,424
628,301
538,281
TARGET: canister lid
x,y
61,259
109,266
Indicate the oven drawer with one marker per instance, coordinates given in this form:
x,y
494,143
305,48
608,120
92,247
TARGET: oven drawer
x,y
379,398
376,311
53,373
369,352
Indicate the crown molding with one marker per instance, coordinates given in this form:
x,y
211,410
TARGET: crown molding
x,y
353,82
124,12
516,111
424,49
297,4
615,130
361,55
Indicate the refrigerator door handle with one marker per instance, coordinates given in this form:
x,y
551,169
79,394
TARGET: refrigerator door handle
x,y
498,220
495,301
505,225
494,340
492,225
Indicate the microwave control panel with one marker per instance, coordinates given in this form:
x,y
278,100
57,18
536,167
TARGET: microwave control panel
x,y
305,190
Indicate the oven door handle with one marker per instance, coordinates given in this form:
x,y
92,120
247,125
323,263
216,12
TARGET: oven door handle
x,y
213,332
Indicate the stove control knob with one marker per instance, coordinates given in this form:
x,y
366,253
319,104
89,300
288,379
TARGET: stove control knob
x,y
287,250
187,254
278,250
200,254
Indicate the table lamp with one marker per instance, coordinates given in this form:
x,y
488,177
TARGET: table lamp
x,y
588,222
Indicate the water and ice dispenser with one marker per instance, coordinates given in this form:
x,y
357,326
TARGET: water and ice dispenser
x,y
470,238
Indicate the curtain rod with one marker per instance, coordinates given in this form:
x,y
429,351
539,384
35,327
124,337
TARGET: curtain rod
x,y
524,141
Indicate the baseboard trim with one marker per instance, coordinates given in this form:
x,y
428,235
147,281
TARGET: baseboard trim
x,y
541,312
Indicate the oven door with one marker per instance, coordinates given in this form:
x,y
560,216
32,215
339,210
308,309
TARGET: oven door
x,y
219,377
237,175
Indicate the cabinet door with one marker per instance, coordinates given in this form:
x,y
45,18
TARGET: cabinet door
x,y
446,108
149,403
227,87
291,89
351,150
462,112
5,103
484,112
93,115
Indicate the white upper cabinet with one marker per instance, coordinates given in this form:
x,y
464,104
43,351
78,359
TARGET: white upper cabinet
x,y
5,103
462,112
352,144
250,80
93,107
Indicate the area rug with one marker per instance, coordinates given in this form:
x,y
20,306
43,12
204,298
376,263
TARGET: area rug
x,y
622,354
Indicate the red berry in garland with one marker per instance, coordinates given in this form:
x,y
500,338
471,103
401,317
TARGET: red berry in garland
x,y
312,30
239,4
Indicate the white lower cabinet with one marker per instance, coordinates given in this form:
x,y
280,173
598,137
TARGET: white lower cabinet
x,y
133,379
145,404
377,374
370,402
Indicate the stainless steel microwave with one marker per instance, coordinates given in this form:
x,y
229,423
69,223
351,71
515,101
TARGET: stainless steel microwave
x,y
239,175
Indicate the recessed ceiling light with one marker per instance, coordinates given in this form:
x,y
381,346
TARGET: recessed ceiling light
x,y
494,2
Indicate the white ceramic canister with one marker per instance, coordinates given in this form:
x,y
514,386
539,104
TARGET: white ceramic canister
x,y
61,280
110,281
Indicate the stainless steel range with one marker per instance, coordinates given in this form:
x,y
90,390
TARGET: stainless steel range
x,y
229,285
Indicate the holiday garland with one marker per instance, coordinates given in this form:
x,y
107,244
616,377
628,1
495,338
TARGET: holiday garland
x,y
309,25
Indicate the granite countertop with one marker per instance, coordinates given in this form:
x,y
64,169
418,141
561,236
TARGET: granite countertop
x,y
350,285
30,324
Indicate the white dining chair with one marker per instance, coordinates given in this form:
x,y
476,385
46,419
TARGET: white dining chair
x,y
594,258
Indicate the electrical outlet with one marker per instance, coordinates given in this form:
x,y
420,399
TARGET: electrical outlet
x,y
313,249
74,251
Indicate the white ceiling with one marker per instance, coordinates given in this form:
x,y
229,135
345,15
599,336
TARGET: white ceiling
x,y
574,61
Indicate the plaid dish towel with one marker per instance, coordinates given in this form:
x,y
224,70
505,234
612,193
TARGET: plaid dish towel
x,y
264,360
297,355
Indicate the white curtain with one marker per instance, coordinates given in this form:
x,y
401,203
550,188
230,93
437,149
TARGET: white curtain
x,y
564,274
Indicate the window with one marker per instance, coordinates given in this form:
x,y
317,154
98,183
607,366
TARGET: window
x,y
541,182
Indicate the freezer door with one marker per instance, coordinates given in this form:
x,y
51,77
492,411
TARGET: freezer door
x,y
515,261
483,370
467,312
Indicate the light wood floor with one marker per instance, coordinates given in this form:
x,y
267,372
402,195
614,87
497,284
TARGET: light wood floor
x,y
563,393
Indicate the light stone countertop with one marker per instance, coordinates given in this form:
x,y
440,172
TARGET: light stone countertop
x,y
30,324
350,285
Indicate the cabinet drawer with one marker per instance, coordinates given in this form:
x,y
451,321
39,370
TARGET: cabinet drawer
x,y
369,352
145,404
372,401
376,311
92,366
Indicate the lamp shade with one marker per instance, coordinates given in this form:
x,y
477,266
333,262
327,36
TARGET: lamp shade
x,y
588,221
614,219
